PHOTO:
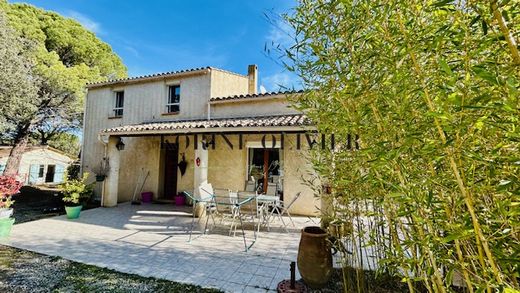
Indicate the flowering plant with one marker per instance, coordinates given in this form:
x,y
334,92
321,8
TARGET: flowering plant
x,y
8,187
75,190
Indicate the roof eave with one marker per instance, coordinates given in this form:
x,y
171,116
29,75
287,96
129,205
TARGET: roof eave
x,y
255,97
149,78
212,130
247,99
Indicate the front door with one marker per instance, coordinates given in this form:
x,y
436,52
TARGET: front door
x,y
49,177
171,158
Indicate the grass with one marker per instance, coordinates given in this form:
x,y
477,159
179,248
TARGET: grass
x,y
24,271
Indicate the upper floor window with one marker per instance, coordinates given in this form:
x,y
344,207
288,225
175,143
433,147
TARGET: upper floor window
x,y
174,99
120,101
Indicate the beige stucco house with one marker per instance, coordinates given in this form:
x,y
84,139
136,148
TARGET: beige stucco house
x,y
186,127
39,164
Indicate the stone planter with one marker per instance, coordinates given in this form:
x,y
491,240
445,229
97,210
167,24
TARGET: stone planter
x,y
73,212
314,257
6,213
5,226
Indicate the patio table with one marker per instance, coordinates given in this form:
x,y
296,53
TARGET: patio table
x,y
214,201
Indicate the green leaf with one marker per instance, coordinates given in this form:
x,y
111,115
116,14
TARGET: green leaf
x,y
485,74
445,67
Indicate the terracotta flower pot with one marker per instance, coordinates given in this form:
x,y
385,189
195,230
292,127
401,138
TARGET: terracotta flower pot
x,y
314,257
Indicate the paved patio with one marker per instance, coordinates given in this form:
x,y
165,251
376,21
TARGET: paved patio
x,y
151,241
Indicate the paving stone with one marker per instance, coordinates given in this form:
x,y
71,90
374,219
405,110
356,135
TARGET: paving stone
x,y
240,278
249,289
233,287
260,281
152,240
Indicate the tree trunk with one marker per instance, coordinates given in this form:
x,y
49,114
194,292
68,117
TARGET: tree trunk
x,y
15,156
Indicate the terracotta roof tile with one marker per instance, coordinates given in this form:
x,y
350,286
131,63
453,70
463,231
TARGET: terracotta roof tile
x,y
253,96
155,75
295,120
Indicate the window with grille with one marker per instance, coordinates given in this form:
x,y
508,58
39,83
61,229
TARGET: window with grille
x,y
174,99
120,101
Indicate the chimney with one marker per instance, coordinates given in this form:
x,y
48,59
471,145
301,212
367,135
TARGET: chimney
x,y
252,74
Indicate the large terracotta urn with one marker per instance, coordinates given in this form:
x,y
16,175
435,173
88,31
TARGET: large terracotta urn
x,y
314,257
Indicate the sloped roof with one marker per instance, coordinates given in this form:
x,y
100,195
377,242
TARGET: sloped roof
x,y
253,96
150,76
5,150
299,121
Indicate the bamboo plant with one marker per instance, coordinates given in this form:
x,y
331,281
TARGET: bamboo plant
x,y
432,90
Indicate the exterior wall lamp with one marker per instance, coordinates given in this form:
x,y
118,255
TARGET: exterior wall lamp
x,y
120,145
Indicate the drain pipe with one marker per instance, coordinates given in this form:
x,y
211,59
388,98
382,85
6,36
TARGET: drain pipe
x,y
209,111
105,144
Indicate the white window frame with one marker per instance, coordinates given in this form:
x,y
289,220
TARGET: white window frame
x,y
41,171
168,104
118,111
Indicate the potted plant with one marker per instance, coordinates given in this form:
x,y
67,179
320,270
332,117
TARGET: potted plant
x,y
101,170
8,187
75,192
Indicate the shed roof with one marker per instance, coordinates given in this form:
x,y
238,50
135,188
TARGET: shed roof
x,y
5,150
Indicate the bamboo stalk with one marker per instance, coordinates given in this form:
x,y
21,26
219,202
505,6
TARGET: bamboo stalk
x,y
466,195
511,42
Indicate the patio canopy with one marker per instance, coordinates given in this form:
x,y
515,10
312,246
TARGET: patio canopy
x,y
275,123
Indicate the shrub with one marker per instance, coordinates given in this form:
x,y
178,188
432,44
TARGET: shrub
x,y
8,187
432,88
76,191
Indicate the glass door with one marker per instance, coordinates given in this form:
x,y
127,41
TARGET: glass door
x,y
264,168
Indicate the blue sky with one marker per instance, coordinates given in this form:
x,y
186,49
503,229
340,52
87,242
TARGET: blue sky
x,y
159,35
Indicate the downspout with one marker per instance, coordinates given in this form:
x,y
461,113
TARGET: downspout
x,y
210,95
82,151
105,145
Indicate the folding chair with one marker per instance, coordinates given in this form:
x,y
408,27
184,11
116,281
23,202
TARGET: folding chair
x,y
250,186
285,209
204,198
271,189
206,191
233,200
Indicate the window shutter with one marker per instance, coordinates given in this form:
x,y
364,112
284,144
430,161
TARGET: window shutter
x,y
34,171
58,174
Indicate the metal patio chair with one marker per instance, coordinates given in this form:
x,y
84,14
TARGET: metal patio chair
x,y
282,209
233,200
250,186
206,199
271,189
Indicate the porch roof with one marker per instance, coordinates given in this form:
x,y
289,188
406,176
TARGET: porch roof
x,y
291,122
